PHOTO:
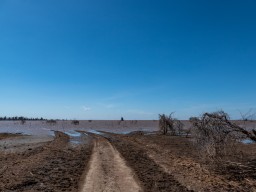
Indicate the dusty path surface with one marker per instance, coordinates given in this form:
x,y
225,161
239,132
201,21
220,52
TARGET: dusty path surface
x,y
108,170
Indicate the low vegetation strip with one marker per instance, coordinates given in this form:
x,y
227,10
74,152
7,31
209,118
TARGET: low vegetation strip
x,y
151,176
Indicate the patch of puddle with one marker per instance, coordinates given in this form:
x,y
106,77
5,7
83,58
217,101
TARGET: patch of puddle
x,y
143,130
247,141
126,132
51,133
75,137
72,133
95,132
75,142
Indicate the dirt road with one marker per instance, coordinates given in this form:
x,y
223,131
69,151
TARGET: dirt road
x,y
108,170
115,162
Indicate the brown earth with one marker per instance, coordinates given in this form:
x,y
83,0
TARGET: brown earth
x,y
53,166
150,174
108,170
178,157
115,162
8,135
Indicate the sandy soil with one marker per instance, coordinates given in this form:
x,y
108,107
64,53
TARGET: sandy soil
x,y
108,170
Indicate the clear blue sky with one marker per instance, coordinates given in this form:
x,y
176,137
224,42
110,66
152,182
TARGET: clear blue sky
x,y
98,59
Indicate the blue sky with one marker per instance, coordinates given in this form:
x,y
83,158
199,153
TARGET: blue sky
x,y
95,59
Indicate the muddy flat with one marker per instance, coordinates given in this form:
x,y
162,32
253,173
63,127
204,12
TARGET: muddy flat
x,y
173,164
102,161
55,165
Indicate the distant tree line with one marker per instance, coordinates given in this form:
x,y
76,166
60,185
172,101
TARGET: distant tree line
x,y
21,119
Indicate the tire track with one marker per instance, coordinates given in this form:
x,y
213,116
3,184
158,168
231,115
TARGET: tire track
x,y
151,175
108,170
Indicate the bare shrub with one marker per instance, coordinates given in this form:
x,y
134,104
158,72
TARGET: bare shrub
x,y
178,127
51,122
215,135
75,122
164,123
187,131
249,115
170,124
23,121
134,122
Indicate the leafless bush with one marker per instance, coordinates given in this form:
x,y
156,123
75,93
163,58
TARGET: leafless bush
x,y
215,135
23,121
187,131
170,124
250,115
165,123
178,127
51,122
75,122
134,122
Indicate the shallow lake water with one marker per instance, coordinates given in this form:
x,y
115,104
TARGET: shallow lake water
x,y
44,128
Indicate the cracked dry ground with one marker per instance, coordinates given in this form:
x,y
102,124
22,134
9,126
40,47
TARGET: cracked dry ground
x,y
112,162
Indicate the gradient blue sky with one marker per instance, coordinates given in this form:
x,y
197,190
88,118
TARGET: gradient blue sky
x,y
98,59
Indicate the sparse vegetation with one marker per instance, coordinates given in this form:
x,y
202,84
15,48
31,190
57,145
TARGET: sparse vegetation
x,y
147,152
134,122
165,123
178,127
51,122
16,118
170,124
75,122
23,121
215,135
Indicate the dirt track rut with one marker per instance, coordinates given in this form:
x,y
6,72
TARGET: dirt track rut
x,y
108,170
